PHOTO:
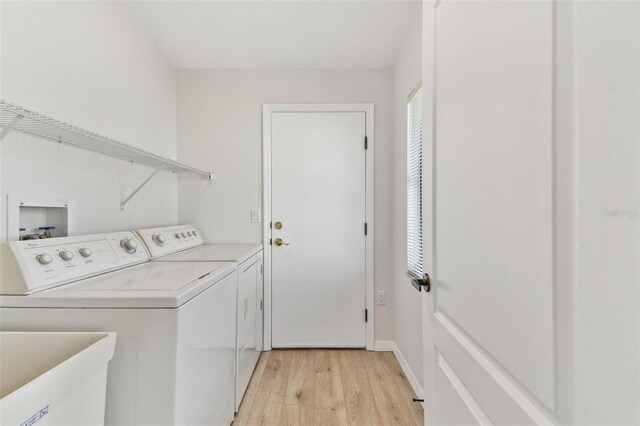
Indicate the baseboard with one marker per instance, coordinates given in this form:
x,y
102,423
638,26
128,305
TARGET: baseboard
x,y
385,346
390,346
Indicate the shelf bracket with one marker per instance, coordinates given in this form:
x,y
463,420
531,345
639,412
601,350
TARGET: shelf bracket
x,y
9,127
135,191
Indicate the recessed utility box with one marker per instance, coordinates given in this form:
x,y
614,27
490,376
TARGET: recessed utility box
x,y
39,215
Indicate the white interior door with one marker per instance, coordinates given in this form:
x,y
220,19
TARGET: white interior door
x,y
318,196
532,132
493,211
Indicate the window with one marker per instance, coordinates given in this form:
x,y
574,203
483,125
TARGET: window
x,y
414,183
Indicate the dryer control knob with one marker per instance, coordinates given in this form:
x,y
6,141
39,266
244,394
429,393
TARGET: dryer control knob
x,y
178,235
44,259
195,234
184,234
129,245
85,252
158,239
190,234
66,255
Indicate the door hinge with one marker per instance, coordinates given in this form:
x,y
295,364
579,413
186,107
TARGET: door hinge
x,y
366,142
261,305
270,225
261,269
366,315
270,241
365,228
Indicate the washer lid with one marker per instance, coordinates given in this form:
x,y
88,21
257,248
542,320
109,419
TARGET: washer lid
x,y
151,285
215,253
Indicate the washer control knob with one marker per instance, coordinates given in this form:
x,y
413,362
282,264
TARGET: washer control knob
x,y
184,234
195,234
178,235
158,239
85,252
44,259
190,234
66,255
129,245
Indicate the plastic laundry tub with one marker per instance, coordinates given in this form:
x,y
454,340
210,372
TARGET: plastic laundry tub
x,y
54,378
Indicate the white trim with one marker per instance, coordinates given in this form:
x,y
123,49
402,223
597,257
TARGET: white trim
x,y
390,346
385,346
317,346
498,376
368,109
472,405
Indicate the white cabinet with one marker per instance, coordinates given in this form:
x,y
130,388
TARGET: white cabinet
x,y
249,322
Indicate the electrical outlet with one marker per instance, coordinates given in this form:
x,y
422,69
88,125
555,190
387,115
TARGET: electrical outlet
x,y
381,297
255,216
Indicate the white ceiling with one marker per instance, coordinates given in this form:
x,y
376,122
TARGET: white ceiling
x,y
299,34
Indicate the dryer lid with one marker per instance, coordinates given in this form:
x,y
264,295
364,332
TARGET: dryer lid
x,y
215,253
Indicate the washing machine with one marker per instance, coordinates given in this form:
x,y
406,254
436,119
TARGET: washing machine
x,y
175,349
183,243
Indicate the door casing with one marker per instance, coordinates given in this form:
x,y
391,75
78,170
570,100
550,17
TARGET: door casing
x,y
368,109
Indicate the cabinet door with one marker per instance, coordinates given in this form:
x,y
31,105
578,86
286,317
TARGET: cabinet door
x,y
260,308
247,301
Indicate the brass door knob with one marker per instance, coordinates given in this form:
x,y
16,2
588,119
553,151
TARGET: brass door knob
x,y
278,242
277,225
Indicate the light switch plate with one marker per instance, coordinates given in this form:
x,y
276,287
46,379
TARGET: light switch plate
x,y
255,216
381,297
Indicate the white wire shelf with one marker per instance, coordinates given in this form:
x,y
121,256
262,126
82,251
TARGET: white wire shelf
x,y
13,117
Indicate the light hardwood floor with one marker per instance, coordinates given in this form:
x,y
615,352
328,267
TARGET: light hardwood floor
x,y
328,387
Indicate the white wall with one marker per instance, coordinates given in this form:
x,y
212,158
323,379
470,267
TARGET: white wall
x,y
220,128
405,300
91,65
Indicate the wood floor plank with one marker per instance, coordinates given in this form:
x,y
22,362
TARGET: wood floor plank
x,y
359,400
300,389
415,408
324,416
322,359
328,388
252,389
392,415
297,415
329,396
390,402
267,409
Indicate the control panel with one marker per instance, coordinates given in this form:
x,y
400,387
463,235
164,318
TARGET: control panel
x,y
169,239
33,265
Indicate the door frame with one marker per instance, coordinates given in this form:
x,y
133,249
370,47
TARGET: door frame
x,y
368,109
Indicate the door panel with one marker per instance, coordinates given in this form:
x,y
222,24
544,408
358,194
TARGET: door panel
x,y
453,409
260,306
246,318
492,259
247,295
318,194
494,182
531,215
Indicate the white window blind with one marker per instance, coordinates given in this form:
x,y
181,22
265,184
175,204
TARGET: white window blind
x,y
414,184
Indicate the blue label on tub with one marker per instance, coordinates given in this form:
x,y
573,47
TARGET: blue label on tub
x,y
37,416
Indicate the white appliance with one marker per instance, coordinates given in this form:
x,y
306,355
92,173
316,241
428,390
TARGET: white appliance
x,y
183,243
54,378
175,352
